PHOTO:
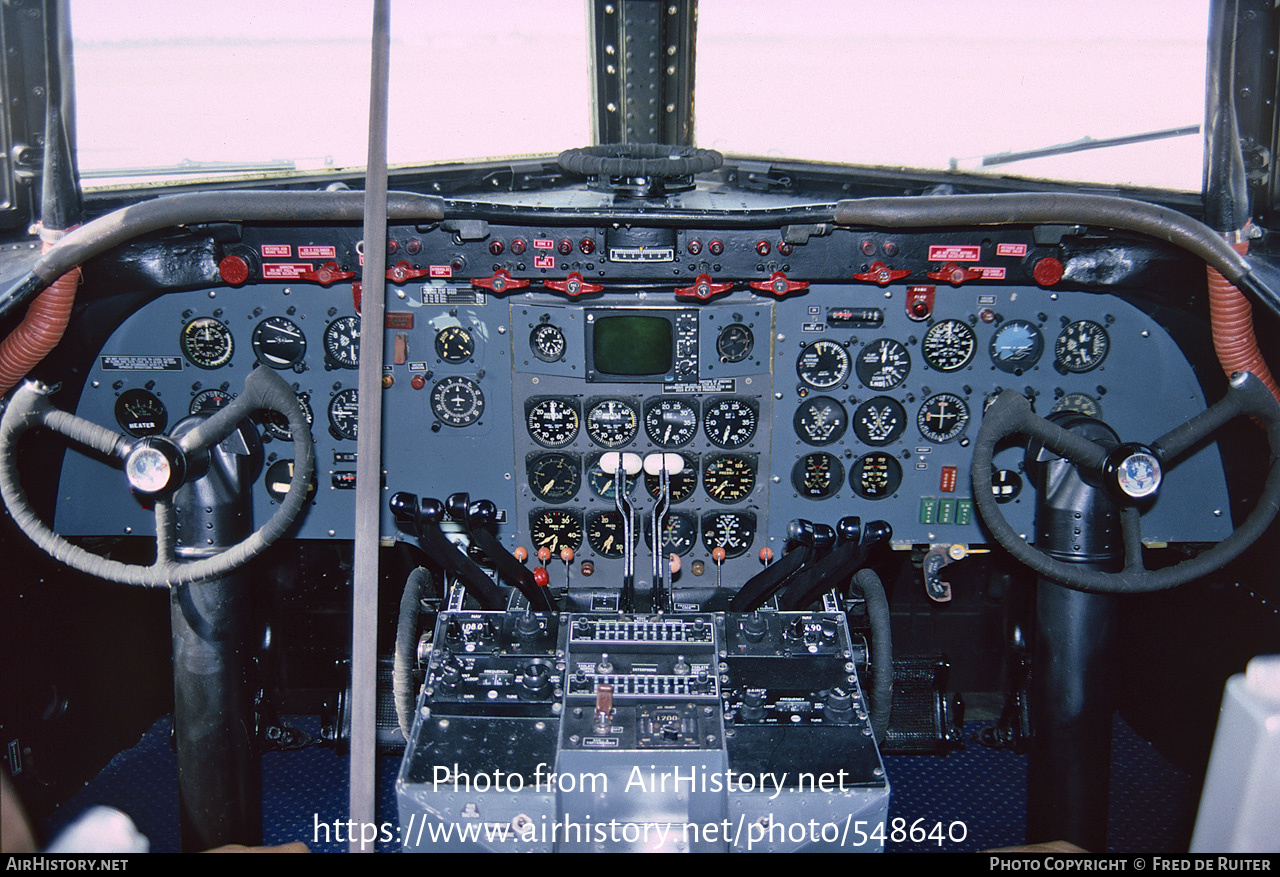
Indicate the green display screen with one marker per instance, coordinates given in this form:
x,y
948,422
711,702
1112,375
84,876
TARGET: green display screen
x,y
632,345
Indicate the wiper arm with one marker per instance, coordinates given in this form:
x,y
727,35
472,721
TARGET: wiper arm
x,y
1074,146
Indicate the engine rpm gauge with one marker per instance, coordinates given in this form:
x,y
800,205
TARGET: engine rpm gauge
x,y
730,423
553,422
279,343
942,418
670,422
1016,346
883,364
344,413
735,342
140,413
612,423
554,478
1081,347
817,476
820,420
823,364
207,343
875,475
949,345
455,344
555,529
879,421
342,342
732,531
547,342
457,401
729,478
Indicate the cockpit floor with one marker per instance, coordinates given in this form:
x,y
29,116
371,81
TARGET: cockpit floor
x,y
976,793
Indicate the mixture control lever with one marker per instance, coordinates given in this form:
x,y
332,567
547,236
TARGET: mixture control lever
x,y
759,588
421,518
481,516
838,567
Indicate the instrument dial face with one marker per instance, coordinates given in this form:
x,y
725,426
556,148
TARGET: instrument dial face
x,y
879,421
554,529
949,346
612,423
554,478
209,400
141,413
1081,347
553,423
1016,346
681,485
817,476
279,343
457,401
883,364
455,344
344,413
279,479
606,534
823,364
942,418
729,478
601,483
732,531
342,342
207,343
276,425
735,342
875,475
820,420
679,533
670,422
547,342
730,423
1081,403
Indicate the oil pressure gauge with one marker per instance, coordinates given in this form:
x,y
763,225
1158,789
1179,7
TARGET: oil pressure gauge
x,y
732,531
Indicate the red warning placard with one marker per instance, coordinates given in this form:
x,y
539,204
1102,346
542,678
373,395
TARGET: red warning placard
x,y
954,253
544,261
316,252
439,271
284,270
990,272
1011,249
543,244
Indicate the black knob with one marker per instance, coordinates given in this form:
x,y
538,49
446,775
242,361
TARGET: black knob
x,y
876,532
536,680
824,536
404,509
430,511
754,627
800,531
481,514
457,504
849,529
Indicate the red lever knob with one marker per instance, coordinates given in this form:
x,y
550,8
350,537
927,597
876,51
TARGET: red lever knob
x,y
703,288
234,270
402,271
882,274
327,273
500,282
544,554
955,274
572,286
541,577
778,284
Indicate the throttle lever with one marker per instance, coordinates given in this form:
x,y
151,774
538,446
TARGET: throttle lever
x,y
764,584
424,516
838,567
481,516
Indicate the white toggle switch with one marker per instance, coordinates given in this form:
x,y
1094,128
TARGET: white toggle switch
x,y
673,463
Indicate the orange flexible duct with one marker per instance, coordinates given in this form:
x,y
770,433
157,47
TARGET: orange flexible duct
x,y
1231,319
40,330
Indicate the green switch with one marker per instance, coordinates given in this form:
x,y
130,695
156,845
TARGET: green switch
x,y
964,511
947,511
928,508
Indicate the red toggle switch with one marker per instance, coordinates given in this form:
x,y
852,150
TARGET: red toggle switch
x,y
327,273
882,274
955,274
402,271
500,282
703,288
778,284
573,285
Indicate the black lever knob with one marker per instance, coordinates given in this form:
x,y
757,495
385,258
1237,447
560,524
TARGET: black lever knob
x,y
404,509
824,536
876,532
482,514
430,511
800,531
456,505
848,529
